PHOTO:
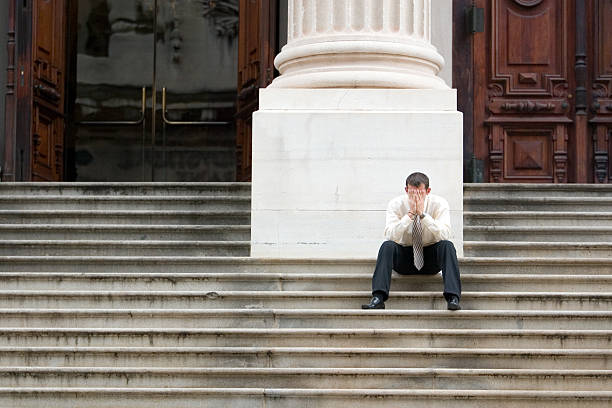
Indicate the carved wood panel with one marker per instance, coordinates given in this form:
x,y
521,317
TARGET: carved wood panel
x,y
522,118
542,91
529,47
48,67
528,152
534,153
601,106
47,141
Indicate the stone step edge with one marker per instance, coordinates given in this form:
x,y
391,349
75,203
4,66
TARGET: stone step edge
x,y
297,294
238,371
447,351
359,393
126,213
305,331
122,243
300,276
467,228
338,313
535,186
535,229
123,198
236,197
466,244
245,260
124,227
179,227
537,200
539,214
479,214
161,184
536,244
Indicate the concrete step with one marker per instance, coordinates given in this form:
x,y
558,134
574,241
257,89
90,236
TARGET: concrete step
x,y
126,203
112,321
307,318
345,378
538,218
123,248
517,190
130,217
584,204
537,265
124,189
309,337
126,232
242,248
538,249
541,234
165,397
209,264
290,357
557,301
266,281
175,232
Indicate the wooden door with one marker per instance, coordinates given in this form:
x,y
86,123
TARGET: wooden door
x,y
48,68
530,88
256,52
8,170
601,97
34,130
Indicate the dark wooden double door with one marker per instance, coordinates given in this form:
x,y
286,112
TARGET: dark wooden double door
x,y
132,90
165,89
35,97
536,90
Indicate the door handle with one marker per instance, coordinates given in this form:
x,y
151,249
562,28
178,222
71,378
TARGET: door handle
x,y
47,92
121,122
186,123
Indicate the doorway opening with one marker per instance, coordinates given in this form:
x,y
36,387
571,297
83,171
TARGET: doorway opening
x,y
152,90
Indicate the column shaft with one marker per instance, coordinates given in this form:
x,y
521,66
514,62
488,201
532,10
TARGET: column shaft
x,y
359,43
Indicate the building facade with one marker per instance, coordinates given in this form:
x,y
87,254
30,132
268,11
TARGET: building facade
x,y
164,90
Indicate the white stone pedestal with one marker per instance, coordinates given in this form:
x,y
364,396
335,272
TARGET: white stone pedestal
x,y
327,161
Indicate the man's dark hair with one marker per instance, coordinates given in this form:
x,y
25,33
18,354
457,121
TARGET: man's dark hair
x,y
416,179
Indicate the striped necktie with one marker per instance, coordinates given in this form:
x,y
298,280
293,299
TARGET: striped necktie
x,y
417,242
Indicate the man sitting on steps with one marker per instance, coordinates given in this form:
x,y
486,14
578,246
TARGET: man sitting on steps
x,y
418,228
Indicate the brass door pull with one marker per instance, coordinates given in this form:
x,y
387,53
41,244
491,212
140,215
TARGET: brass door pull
x,y
186,123
121,122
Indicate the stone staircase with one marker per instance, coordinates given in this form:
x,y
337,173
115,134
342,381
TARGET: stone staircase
x,y
143,295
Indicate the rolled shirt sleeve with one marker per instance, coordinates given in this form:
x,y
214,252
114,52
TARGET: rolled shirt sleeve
x,y
439,223
396,224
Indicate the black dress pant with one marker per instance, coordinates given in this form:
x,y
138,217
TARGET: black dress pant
x,y
439,256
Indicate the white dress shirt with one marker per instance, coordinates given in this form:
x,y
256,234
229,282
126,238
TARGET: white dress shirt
x,y
436,223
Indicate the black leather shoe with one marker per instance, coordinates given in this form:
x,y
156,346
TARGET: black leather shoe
x,y
375,303
453,303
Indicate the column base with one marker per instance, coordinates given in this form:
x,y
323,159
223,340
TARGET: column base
x,y
359,63
327,161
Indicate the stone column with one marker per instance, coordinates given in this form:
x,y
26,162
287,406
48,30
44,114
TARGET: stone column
x,y
359,44
327,161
